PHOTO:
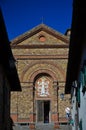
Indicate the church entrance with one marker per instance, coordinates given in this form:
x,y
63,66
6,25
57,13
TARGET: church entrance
x,y
43,111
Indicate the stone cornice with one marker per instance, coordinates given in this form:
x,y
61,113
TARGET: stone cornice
x,y
39,46
35,57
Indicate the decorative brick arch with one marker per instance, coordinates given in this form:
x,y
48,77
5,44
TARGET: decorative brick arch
x,y
46,71
40,70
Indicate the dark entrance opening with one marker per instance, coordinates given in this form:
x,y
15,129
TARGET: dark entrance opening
x,y
43,110
46,111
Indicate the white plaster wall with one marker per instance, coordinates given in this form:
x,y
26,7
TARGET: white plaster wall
x,y
82,109
73,110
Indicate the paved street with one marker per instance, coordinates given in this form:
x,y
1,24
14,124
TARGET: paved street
x,y
43,127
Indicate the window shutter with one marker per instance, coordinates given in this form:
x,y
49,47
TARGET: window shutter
x,y
80,125
78,96
85,74
82,78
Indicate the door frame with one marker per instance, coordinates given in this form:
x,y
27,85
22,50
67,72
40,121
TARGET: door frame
x,y
43,101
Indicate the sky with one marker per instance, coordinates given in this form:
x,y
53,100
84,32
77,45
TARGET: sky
x,y
21,16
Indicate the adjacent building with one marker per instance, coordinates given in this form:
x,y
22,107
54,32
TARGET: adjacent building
x,y
9,80
76,68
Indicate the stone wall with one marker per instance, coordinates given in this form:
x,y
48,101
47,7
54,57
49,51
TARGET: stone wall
x,y
32,62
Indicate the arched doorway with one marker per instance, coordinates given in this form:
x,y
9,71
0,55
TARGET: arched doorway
x,y
43,96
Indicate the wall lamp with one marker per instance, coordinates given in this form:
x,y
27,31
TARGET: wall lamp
x,y
62,96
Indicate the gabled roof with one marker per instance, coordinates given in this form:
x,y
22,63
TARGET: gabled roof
x,y
41,27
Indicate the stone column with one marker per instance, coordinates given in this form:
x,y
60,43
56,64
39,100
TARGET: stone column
x,y
32,113
55,117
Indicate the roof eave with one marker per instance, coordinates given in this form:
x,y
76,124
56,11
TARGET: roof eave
x,y
78,30
6,57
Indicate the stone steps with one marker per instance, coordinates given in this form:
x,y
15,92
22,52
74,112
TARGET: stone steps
x,y
46,126
19,127
65,127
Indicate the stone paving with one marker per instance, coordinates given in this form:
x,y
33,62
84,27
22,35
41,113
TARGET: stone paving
x,y
43,127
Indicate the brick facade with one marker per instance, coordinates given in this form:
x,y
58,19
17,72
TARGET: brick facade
x,y
41,56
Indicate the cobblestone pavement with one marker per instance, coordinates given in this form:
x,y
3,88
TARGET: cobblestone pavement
x,y
43,127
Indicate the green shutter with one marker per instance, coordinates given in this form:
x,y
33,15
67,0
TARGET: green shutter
x,y
80,125
85,74
82,79
78,96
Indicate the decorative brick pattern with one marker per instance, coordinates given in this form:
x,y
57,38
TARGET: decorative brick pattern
x,y
33,63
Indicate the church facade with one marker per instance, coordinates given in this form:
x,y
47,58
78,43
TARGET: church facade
x,y
41,56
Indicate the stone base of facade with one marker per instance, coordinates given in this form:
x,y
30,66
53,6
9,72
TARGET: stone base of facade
x,y
17,120
55,120
14,117
56,125
32,121
32,126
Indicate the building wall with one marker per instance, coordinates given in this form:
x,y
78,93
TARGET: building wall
x,y
4,101
79,100
33,63
82,108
